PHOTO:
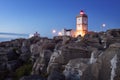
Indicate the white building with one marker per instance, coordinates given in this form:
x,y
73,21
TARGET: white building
x,y
68,32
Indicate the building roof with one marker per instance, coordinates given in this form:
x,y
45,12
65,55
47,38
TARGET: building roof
x,y
82,14
68,29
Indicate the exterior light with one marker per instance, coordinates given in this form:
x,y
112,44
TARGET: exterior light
x,y
103,25
53,31
81,12
59,33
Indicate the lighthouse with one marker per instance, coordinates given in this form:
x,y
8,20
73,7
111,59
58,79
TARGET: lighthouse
x,y
81,24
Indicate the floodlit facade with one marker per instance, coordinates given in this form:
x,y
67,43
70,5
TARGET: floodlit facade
x,y
81,24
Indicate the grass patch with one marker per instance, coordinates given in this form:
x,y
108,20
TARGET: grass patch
x,y
23,71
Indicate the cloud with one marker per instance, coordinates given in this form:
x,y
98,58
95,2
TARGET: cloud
x,y
13,35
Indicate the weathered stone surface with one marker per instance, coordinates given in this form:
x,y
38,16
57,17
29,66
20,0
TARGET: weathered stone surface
x,y
54,67
12,55
75,68
106,67
40,66
32,77
113,32
55,75
12,65
24,57
55,72
35,50
66,39
110,69
68,52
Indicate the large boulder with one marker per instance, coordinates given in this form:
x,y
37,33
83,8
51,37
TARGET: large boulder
x,y
106,66
56,72
66,39
113,32
40,66
110,68
75,68
68,52
35,50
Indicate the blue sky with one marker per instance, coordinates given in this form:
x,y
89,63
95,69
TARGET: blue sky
x,y
29,16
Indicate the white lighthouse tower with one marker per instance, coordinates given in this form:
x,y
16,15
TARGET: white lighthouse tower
x,y
81,24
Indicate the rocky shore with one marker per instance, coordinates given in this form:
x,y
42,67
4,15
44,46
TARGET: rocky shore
x,y
96,56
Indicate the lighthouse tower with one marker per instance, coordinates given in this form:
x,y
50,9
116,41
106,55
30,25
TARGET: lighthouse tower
x,y
81,24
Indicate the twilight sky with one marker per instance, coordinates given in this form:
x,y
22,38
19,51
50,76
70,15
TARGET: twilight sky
x,y
29,16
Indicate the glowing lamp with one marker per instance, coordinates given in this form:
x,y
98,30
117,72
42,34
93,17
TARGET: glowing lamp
x,y
103,25
53,31
60,33
81,12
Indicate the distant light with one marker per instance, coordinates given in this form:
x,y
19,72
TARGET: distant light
x,y
31,35
103,25
53,31
81,12
59,33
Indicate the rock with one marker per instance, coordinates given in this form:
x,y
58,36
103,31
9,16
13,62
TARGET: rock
x,y
12,55
9,78
58,39
56,72
43,44
75,68
54,67
91,35
32,77
79,38
13,43
55,75
41,63
95,55
110,68
2,66
106,66
35,50
115,45
113,32
3,57
13,65
93,42
66,40
44,48
17,42
48,46
58,46
25,48
24,57
68,52
3,71
25,51
34,40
